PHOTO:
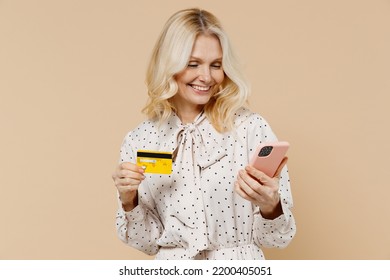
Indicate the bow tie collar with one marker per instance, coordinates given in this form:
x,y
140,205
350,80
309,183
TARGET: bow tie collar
x,y
193,140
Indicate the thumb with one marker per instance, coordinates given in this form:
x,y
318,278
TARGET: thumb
x,y
281,165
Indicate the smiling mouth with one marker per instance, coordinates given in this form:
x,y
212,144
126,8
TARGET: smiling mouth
x,y
200,88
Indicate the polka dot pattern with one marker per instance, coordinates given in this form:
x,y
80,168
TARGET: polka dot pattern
x,y
194,213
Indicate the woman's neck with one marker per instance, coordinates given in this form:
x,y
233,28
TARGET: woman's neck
x,y
188,116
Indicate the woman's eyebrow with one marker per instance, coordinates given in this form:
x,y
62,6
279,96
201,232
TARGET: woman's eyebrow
x,y
219,59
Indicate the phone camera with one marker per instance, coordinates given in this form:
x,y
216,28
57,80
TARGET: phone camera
x,y
265,151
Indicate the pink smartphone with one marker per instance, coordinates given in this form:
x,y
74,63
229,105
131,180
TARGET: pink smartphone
x,y
268,156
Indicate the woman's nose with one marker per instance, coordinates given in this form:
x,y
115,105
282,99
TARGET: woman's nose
x,y
205,75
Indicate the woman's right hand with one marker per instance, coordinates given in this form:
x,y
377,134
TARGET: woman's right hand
x,y
127,177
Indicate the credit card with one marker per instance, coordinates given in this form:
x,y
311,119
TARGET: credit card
x,y
155,161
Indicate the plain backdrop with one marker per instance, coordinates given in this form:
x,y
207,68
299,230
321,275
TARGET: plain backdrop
x,y
72,85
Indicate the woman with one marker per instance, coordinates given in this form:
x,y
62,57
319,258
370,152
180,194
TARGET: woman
x,y
212,205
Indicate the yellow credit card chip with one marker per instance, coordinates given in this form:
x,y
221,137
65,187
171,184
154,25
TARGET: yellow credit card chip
x,y
155,161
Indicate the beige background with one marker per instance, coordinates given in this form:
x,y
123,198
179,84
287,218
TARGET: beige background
x,y
72,85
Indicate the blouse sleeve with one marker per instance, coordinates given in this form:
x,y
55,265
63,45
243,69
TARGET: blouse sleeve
x,y
139,228
280,231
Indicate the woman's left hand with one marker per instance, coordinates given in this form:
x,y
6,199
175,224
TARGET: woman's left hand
x,y
261,190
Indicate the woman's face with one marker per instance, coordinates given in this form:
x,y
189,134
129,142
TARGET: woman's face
x,y
202,76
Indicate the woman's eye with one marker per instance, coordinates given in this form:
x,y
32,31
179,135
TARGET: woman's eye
x,y
194,65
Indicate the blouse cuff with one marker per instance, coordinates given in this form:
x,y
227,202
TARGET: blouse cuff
x,y
275,223
137,214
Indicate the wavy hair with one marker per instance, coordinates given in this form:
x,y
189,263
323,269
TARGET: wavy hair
x,y
171,55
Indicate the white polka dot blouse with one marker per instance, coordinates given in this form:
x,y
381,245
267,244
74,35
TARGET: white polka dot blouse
x,y
194,212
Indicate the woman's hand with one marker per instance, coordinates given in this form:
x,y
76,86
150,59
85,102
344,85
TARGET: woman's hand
x,y
261,190
127,177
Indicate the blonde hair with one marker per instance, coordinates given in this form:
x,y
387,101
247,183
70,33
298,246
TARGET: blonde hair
x,y
171,55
